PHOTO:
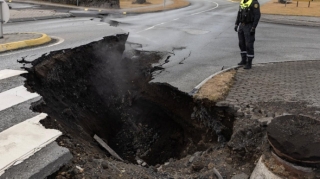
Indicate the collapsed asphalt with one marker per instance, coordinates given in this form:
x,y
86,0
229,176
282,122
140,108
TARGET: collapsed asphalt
x,y
95,89
103,88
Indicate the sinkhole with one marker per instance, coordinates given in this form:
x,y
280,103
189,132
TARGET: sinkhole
x,y
104,89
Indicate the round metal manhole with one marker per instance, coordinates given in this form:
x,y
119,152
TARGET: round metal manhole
x,y
295,138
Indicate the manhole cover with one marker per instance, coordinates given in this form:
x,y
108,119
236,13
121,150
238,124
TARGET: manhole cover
x,y
295,138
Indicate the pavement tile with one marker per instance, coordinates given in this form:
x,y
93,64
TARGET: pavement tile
x,y
285,81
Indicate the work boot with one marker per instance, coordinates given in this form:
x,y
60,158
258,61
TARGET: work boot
x,y
249,64
243,62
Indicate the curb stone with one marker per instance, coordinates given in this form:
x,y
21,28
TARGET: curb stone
x,y
112,11
25,43
291,20
42,164
39,18
196,89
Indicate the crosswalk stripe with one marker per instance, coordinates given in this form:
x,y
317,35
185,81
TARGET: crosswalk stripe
x,y
7,73
22,140
15,96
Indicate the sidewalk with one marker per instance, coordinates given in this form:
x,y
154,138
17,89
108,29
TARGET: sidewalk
x,y
35,14
267,91
296,81
280,82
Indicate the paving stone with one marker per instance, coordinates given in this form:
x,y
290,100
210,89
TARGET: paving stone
x,y
285,81
265,120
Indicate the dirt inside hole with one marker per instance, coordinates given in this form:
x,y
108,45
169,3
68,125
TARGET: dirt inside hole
x,y
95,89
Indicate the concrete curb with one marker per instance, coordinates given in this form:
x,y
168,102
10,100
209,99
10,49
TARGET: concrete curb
x,y
25,43
111,11
39,18
293,23
155,11
196,89
42,164
294,20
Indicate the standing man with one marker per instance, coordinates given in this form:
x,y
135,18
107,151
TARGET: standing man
x,y
246,23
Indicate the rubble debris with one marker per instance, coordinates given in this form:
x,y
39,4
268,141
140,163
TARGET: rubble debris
x,y
261,171
265,120
80,169
210,166
105,145
240,176
247,137
217,173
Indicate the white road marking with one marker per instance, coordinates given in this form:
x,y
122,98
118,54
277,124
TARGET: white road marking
x,y
7,73
60,40
15,96
217,5
22,140
150,28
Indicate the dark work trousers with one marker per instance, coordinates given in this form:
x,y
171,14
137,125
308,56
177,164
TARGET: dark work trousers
x,y
246,41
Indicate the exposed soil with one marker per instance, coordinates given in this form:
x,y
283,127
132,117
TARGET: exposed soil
x,y
216,88
96,89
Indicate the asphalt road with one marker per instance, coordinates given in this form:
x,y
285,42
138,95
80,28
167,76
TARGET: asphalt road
x,y
204,32
70,33
200,39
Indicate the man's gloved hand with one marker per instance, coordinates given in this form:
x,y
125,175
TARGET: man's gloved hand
x,y
252,31
236,28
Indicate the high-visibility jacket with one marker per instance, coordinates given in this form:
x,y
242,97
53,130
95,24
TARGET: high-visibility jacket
x,y
244,5
249,12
